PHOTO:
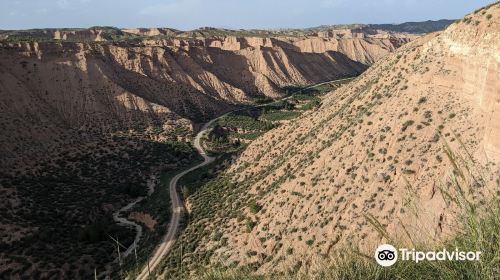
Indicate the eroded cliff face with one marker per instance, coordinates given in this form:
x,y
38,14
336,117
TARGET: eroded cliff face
x,y
48,88
475,58
374,147
53,94
364,45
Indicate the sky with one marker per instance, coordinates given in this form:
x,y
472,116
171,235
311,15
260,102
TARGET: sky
x,y
235,14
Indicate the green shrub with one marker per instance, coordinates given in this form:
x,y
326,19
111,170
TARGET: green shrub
x,y
254,207
280,115
250,225
407,124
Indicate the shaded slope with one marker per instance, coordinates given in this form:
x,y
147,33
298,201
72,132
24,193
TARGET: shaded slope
x,y
52,88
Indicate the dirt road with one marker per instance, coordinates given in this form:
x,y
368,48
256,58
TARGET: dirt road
x,y
177,207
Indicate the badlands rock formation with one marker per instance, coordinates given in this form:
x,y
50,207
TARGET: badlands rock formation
x,y
48,87
374,147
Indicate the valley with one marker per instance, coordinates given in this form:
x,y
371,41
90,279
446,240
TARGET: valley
x,y
156,153
106,117
103,117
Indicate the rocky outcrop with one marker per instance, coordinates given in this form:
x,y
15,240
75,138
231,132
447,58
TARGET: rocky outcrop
x,y
152,31
364,45
475,56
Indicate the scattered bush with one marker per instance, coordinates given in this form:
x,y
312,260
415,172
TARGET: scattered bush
x,y
254,207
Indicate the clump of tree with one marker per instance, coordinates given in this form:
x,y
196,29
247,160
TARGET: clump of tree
x,y
218,135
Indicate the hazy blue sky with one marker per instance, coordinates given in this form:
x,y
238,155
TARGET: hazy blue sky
x,y
190,14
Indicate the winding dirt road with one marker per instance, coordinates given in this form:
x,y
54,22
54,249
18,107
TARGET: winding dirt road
x,y
177,207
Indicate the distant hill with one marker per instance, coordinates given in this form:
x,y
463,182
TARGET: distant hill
x,y
109,33
416,27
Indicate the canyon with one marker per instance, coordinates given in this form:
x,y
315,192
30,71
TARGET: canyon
x,y
89,116
100,110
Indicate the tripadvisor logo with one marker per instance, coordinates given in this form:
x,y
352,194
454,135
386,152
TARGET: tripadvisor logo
x,y
387,255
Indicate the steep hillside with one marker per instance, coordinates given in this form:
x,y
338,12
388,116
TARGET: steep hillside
x,y
374,147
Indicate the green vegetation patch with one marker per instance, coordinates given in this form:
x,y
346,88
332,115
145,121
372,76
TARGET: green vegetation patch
x,y
280,115
69,201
